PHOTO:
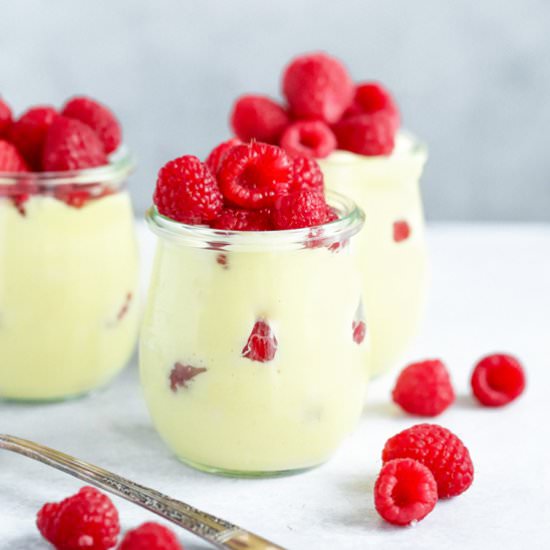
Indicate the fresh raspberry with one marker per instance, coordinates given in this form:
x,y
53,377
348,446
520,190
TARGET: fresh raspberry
x,y
258,117
424,388
359,329
401,231
98,117
497,380
405,491
305,208
312,138
181,374
10,158
438,449
5,118
150,536
71,145
29,132
253,175
187,191
366,134
372,97
86,520
317,86
218,154
306,174
262,343
239,219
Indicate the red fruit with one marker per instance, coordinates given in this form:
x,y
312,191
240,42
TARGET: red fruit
x,y
305,208
98,117
497,380
238,219
366,134
150,536
405,491
401,231
181,374
359,329
372,97
317,86
311,138
187,191
71,145
29,132
86,520
306,174
424,388
438,449
10,158
218,154
5,118
258,117
253,175
262,343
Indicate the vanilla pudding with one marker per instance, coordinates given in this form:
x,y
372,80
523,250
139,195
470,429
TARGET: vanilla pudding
x,y
392,245
248,359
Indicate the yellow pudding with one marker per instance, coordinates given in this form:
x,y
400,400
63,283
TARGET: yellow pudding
x,y
217,406
391,245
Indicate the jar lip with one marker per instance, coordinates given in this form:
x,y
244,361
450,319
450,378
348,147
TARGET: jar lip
x,y
350,221
121,163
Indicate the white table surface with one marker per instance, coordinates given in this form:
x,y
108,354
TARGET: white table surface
x,y
490,291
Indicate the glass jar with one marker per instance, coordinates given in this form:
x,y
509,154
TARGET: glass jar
x,y
68,280
392,245
248,359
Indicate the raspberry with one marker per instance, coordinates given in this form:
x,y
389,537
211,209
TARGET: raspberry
x,y
306,174
5,118
497,380
424,388
181,374
312,138
187,191
305,208
401,231
238,219
372,97
253,175
405,491
150,536
366,134
98,117
258,117
86,520
438,449
359,329
262,343
71,145
10,158
29,132
218,154
317,86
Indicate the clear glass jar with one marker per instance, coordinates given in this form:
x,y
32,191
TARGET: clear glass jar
x,y
68,280
392,244
214,402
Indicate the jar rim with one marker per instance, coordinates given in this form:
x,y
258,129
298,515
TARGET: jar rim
x,y
350,221
121,163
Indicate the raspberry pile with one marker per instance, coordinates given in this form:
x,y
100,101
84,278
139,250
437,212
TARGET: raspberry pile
x,y
90,520
324,110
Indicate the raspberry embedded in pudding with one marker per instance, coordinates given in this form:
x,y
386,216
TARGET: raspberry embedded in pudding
x,y
181,375
401,231
262,343
358,326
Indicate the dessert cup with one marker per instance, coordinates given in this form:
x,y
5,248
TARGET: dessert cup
x,y
218,299
69,273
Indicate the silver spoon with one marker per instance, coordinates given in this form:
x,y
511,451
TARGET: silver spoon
x,y
218,532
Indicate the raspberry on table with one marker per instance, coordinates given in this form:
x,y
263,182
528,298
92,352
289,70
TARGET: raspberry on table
x,y
438,449
98,117
424,388
306,174
366,134
10,158
405,491
311,138
305,208
29,133
258,117
401,231
150,536
6,118
372,97
253,175
240,219
86,520
497,380
317,87
262,343
187,192
217,155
